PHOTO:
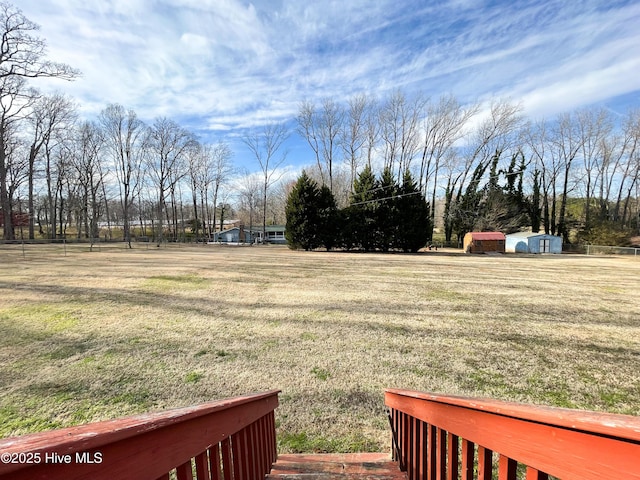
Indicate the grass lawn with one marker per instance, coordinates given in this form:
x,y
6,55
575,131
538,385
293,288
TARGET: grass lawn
x,y
94,335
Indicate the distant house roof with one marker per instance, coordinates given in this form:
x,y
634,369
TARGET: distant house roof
x,y
487,235
274,228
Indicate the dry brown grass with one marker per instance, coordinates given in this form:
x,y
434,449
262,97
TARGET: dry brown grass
x,y
95,335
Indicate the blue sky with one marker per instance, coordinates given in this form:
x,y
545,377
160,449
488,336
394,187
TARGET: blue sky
x,y
219,67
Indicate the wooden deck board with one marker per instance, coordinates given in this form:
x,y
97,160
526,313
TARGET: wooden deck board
x,y
360,466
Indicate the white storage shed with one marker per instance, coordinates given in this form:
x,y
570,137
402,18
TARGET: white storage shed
x,y
527,242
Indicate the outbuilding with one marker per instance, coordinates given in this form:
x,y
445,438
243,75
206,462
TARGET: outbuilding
x,y
527,242
236,235
484,242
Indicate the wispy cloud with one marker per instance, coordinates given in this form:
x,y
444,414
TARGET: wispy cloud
x,y
225,65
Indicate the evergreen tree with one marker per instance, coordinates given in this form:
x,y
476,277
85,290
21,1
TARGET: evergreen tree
x,y
328,220
466,211
535,212
303,218
361,213
386,211
413,217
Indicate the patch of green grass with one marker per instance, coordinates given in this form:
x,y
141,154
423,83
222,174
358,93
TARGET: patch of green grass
x,y
135,397
14,421
33,323
488,382
612,398
395,329
225,354
447,295
321,373
304,443
67,351
270,344
193,377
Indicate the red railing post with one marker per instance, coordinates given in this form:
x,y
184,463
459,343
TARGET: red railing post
x,y
452,457
424,449
184,471
226,459
533,474
441,454
202,466
468,459
273,442
485,463
215,462
264,458
236,450
411,448
507,468
432,454
253,441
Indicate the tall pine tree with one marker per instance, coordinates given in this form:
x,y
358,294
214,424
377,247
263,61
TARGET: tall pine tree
x,y
303,219
386,211
413,216
360,216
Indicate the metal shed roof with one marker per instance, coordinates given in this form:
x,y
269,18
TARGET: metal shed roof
x,y
530,234
487,235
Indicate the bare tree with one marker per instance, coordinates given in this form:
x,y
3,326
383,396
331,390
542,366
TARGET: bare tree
x,y
125,138
594,127
219,157
309,129
537,142
495,133
630,152
21,57
168,145
199,181
399,126
15,163
353,136
251,189
322,128
15,100
89,174
443,127
566,144
49,116
266,145
209,168
372,127
331,118
21,53
58,170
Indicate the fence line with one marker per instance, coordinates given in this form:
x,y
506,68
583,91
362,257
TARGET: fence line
x,y
608,250
62,247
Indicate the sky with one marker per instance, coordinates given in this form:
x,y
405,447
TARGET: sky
x,y
221,67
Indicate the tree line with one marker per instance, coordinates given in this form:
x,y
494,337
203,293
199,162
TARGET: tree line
x,y
113,169
384,214
487,167
476,166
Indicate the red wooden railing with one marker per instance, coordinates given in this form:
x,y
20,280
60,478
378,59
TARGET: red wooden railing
x,y
231,439
438,437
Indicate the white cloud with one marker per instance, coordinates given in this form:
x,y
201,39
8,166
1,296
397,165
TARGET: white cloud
x,y
226,65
